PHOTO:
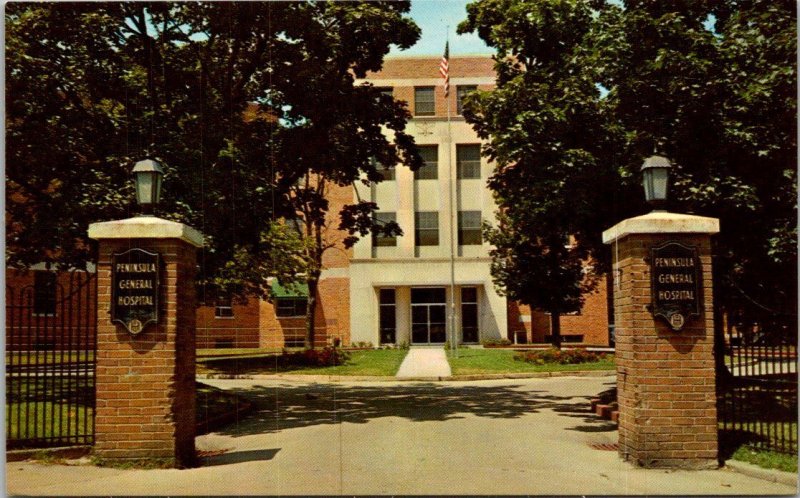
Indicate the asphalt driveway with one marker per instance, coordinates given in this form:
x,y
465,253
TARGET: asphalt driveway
x,y
520,436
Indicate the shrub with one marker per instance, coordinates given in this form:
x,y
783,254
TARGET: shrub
x,y
361,344
496,342
562,357
326,357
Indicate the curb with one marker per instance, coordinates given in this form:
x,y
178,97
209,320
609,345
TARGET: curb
x,y
373,378
771,475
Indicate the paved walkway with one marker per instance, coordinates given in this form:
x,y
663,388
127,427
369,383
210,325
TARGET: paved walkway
x,y
513,437
424,362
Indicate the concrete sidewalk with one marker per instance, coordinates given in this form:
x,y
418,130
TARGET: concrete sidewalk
x,y
424,363
498,437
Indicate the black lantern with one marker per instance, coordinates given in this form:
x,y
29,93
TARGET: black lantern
x,y
148,175
655,174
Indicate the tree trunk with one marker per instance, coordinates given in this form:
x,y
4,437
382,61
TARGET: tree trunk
x,y
555,328
311,309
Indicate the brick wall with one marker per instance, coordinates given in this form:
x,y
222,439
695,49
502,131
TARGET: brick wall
x,y
591,323
145,384
73,324
240,330
665,379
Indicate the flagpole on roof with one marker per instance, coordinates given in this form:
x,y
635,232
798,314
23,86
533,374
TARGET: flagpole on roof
x,y
444,70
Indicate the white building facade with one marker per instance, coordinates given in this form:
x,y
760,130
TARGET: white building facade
x,y
432,284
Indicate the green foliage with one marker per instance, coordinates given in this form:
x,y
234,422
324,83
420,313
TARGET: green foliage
x,y
378,362
501,361
326,357
766,459
587,89
361,344
252,108
496,342
561,357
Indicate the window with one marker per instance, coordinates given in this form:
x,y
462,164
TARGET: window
x,y
290,307
469,228
468,161
430,160
223,307
44,293
469,314
461,92
385,90
383,240
426,228
387,316
424,101
387,172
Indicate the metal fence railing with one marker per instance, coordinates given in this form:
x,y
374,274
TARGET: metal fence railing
x,y
50,362
757,389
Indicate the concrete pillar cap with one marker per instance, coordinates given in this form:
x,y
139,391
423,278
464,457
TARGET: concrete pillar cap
x,y
145,227
661,222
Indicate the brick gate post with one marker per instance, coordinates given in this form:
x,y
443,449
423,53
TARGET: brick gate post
x,y
146,371
664,325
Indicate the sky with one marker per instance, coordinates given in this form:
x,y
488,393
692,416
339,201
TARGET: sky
x,y
433,18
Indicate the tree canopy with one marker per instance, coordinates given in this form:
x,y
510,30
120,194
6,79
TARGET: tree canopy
x,y
587,89
239,100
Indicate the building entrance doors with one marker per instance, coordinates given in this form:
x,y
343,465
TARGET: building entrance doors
x,y
428,315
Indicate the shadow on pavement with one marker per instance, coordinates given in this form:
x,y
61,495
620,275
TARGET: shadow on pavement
x,y
582,411
288,406
239,457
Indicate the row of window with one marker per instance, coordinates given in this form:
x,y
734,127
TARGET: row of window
x,y
425,98
284,307
468,163
426,228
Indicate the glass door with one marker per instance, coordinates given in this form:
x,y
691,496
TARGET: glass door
x,y
428,315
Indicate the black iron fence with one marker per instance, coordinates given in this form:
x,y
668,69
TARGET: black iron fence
x,y
51,340
757,386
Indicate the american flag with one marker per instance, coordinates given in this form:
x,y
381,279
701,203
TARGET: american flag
x,y
444,68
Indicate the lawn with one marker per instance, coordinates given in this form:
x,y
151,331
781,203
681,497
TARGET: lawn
x,y
47,420
377,362
497,361
766,459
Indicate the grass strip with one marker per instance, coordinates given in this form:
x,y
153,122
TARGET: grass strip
x,y
766,459
496,361
376,362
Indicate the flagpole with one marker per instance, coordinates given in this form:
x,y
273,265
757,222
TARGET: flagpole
x,y
453,221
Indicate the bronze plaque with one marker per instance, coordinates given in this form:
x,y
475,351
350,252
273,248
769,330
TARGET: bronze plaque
x,y
676,278
134,289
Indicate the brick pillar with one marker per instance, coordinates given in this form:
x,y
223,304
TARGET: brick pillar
x,y
665,377
145,383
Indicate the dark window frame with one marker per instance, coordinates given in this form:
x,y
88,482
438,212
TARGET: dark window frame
x,y
420,238
45,289
430,166
387,312
382,240
294,306
468,169
467,234
223,307
461,92
424,107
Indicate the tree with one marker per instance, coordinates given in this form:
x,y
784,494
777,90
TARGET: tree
x,y
548,132
251,106
703,83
